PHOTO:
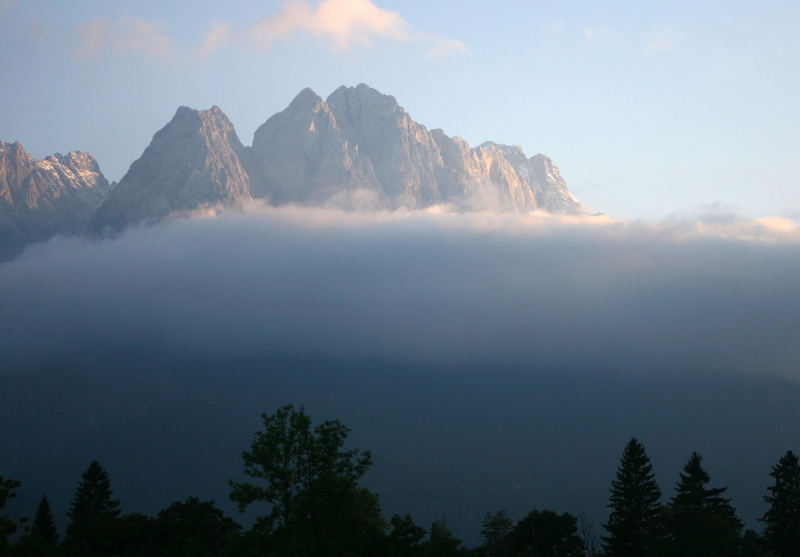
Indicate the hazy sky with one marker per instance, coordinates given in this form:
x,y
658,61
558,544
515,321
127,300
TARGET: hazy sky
x,y
648,110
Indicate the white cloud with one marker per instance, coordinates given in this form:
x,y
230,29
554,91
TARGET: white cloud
x,y
662,39
127,34
343,23
446,47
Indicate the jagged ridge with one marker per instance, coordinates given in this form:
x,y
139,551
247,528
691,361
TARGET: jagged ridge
x,y
42,198
357,149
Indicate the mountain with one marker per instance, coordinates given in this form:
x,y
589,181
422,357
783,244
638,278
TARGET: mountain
x,y
301,155
361,142
193,161
42,198
357,149
360,148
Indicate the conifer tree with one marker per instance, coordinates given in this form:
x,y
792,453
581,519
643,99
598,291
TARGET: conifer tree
x,y
8,490
700,520
44,524
91,512
782,519
633,524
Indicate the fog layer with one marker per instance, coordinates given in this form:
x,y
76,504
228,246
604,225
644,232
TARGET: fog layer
x,y
438,287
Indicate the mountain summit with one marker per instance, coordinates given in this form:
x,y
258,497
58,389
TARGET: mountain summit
x,y
357,149
195,160
41,198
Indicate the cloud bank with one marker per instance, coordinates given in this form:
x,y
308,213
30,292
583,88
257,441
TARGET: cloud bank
x,y
536,290
126,34
340,24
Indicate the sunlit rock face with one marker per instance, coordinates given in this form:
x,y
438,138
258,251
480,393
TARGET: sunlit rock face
x,y
42,198
195,160
360,140
301,155
356,150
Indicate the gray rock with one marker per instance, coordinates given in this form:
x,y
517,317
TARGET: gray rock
x,y
193,161
301,155
359,149
42,198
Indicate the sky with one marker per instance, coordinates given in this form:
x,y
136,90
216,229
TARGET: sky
x,y
487,359
650,110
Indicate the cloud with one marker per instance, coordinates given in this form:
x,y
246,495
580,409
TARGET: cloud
x,y
662,39
127,34
434,286
343,23
218,36
446,47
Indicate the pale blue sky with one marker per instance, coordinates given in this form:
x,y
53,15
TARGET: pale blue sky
x,y
649,110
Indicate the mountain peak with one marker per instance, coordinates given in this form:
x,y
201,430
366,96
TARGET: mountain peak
x,y
41,198
195,159
192,117
362,97
305,98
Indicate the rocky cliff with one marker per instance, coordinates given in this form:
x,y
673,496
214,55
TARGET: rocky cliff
x,y
357,149
195,160
42,198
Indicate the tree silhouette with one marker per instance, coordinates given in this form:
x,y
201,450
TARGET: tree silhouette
x,y
441,542
44,524
91,513
700,520
633,524
547,534
782,519
194,528
311,483
495,530
405,536
8,490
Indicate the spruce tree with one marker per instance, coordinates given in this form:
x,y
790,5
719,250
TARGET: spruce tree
x,y
44,524
8,490
782,519
701,522
633,523
91,512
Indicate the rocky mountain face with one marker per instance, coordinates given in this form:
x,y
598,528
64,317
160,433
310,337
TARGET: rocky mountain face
x,y
42,198
193,161
357,149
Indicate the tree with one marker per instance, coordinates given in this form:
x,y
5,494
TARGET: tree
x,y
194,527
8,490
495,529
700,521
547,534
405,536
92,513
782,519
311,483
441,542
44,524
633,524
